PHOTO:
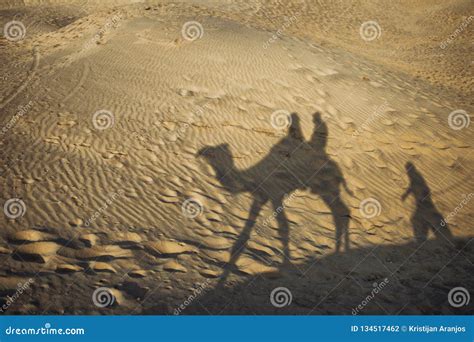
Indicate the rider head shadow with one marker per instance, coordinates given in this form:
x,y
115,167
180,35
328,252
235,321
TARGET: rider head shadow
x,y
292,164
425,216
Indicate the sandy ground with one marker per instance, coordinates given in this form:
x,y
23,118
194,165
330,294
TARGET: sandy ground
x,y
283,162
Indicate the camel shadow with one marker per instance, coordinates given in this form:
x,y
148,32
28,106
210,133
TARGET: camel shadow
x,y
292,164
425,217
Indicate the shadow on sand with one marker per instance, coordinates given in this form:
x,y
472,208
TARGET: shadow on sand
x,y
292,164
408,279
414,278
426,217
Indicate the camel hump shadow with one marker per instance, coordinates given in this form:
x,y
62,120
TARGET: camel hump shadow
x,y
291,164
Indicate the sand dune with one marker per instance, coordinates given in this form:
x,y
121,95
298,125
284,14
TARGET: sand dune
x,y
149,163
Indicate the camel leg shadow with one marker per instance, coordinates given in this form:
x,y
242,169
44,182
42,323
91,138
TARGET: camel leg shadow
x,y
341,216
239,245
284,229
330,193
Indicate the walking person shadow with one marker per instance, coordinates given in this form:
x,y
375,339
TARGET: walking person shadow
x,y
425,217
286,168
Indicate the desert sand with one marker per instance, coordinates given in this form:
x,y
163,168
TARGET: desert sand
x,y
200,157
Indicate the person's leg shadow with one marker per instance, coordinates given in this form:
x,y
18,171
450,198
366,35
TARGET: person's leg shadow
x,y
425,217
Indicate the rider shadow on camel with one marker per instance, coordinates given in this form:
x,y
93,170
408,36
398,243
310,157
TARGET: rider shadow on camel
x,y
292,164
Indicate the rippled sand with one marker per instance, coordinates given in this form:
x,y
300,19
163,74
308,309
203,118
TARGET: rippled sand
x,y
158,166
